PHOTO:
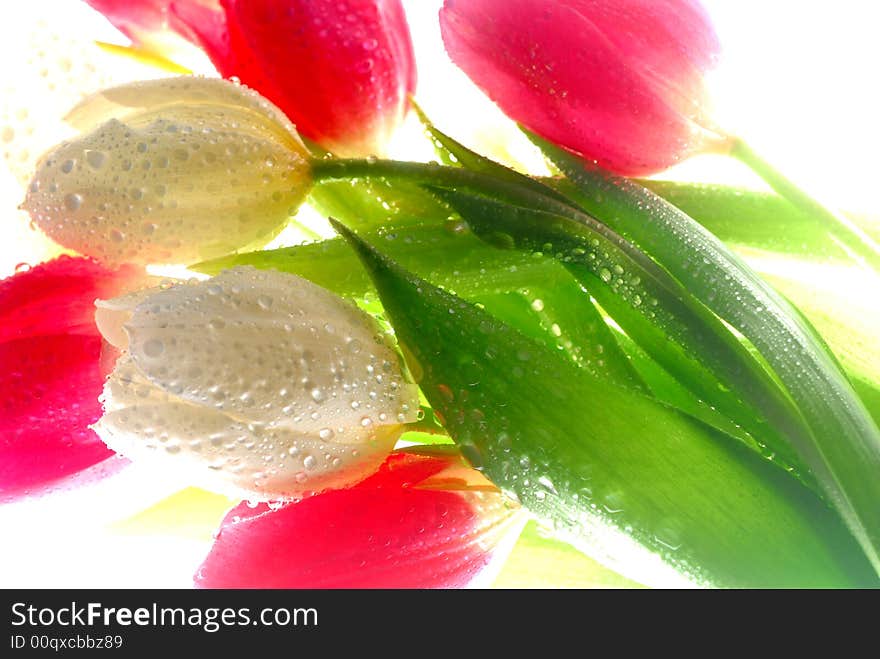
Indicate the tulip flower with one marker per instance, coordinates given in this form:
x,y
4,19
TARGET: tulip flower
x,y
255,383
620,83
170,171
51,352
342,71
421,521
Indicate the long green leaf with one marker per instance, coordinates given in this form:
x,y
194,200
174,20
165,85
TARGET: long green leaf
x,y
659,496
839,300
711,201
843,447
798,257
653,309
745,217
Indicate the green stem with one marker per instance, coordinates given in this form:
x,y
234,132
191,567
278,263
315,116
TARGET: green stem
x,y
504,190
433,174
850,236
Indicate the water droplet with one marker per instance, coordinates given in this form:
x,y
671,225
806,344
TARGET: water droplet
x,y
326,434
264,301
309,462
96,159
153,348
613,503
538,304
668,535
73,201
548,485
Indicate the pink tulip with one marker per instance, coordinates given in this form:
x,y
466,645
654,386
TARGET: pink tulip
x,y
620,82
51,372
341,70
416,523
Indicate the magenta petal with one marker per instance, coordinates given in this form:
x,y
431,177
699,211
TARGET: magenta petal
x,y
341,70
58,297
49,387
385,532
51,372
617,82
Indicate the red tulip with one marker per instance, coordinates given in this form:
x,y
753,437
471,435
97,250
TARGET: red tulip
x,y
416,523
340,69
50,372
620,82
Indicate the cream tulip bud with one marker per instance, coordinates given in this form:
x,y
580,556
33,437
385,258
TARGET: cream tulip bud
x,y
254,383
170,171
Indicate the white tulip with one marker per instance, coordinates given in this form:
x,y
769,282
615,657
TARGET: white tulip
x,y
254,383
170,171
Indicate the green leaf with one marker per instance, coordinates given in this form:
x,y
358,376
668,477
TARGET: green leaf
x,y
839,300
843,445
664,387
797,256
561,317
745,217
656,312
448,254
662,498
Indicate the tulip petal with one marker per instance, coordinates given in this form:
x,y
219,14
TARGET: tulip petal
x,y
52,372
386,532
252,342
341,71
208,448
620,83
145,101
196,167
255,383
57,297
49,387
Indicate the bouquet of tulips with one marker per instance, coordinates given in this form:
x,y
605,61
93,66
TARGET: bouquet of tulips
x,y
465,344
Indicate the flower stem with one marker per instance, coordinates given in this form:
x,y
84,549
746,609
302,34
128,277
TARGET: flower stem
x,y
433,174
851,237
